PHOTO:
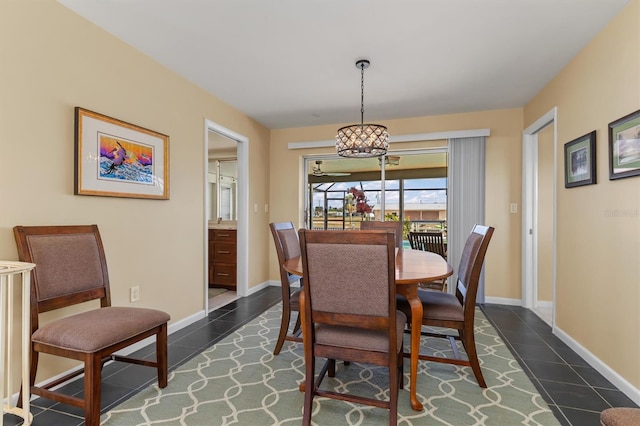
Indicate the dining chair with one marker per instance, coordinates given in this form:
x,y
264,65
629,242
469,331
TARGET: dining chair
x,y
457,311
348,310
71,268
287,245
395,226
432,241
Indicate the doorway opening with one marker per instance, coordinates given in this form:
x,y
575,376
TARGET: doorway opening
x,y
226,212
540,169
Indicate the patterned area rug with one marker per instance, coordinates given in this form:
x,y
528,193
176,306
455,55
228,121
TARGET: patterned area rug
x,y
239,381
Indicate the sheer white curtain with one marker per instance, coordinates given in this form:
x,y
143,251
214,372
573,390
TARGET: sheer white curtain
x,y
465,199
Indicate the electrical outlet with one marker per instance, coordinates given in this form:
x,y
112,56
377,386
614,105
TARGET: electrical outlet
x,y
134,294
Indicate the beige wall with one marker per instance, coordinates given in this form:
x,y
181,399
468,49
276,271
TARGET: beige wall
x,y
52,61
598,226
503,181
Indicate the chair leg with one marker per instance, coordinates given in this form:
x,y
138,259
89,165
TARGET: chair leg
x,y
469,343
284,327
309,389
92,389
393,392
297,326
161,356
332,368
298,322
401,368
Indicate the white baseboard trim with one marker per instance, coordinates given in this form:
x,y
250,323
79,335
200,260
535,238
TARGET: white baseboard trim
x,y
174,327
257,288
503,301
197,316
544,304
129,349
178,325
620,382
279,284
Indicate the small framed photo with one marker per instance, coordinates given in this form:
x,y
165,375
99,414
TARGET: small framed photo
x,y
118,159
580,161
624,147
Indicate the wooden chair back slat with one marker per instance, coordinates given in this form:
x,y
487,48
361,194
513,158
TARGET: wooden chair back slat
x,y
432,241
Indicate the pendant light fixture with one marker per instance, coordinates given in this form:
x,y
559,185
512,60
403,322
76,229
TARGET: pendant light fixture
x,y
362,140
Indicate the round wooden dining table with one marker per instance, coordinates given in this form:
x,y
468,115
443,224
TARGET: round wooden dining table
x,y
412,267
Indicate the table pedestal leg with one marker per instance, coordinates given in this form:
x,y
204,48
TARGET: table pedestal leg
x,y
411,293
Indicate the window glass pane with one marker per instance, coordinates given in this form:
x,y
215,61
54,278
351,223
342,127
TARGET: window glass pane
x,y
416,191
392,184
431,183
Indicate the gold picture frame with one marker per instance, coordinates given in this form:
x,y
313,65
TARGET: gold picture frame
x,y
114,158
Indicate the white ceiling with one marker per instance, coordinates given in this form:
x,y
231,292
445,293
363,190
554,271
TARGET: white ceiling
x,y
291,63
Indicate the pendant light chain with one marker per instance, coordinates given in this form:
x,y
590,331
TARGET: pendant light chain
x,y
362,94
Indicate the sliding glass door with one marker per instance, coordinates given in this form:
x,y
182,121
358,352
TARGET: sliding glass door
x,y
409,187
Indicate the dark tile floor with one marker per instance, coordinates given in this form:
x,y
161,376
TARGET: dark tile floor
x,y
575,391
121,381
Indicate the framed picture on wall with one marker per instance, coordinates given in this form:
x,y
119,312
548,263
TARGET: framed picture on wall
x,y
118,159
624,146
580,161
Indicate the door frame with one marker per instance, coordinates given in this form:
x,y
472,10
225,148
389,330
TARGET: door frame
x,y
530,210
242,283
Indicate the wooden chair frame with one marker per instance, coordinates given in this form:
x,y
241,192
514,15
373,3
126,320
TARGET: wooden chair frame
x,y
290,300
392,358
466,289
432,241
395,226
93,361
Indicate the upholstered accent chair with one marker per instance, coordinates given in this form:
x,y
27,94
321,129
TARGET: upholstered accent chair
x,y
395,226
432,241
348,309
457,311
287,245
70,269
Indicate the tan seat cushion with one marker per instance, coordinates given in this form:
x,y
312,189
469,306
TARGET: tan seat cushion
x,y
440,305
620,416
436,305
95,330
357,338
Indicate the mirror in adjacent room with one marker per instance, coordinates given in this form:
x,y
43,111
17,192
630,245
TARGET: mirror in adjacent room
x,y
222,179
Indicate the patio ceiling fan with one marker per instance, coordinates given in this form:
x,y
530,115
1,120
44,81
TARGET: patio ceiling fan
x,y
317,171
